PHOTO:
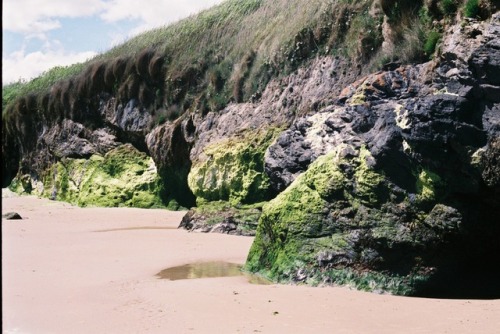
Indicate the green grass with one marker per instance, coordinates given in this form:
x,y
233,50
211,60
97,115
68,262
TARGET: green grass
x,y
280,35
364,36
448,7
471,8
40,84
431,42
416,30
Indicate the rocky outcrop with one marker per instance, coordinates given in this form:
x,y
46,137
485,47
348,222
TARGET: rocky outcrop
x,y
387,181
393,187
92,161
228,153
217,156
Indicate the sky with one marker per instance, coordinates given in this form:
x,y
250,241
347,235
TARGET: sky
x,y
40,34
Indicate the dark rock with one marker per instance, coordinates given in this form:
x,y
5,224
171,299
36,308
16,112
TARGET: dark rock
x,y
391,66
485,63
132,117
12,216
491,93
491,164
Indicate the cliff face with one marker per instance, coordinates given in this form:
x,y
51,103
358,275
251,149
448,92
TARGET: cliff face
x,y
385,181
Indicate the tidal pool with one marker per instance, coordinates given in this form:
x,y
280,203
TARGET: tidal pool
x,y
209,270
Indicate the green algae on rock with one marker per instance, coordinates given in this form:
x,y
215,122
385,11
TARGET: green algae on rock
x,y
230,184
122,177
428,183
233,169
336,224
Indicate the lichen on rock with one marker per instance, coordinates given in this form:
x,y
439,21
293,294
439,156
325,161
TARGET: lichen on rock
x,y
428,183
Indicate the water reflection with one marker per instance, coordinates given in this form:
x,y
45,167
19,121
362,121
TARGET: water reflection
x,y
208,270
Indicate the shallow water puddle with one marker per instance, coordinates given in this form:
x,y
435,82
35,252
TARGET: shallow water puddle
x,y
208,270
139,228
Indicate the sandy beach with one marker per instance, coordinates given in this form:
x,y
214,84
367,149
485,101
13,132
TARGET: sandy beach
x,y
94,270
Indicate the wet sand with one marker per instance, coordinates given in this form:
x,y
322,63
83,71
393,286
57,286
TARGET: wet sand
x,y
93,270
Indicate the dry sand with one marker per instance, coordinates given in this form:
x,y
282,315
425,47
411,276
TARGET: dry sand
x,y
73,270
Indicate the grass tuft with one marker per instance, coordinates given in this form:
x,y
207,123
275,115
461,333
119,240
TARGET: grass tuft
x,y
431,42
471,8
448,7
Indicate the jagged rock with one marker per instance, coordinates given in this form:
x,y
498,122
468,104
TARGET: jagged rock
x,y
225,141
485,63
491,164
132,117
74,140
170,149
280,103
310,137
232,169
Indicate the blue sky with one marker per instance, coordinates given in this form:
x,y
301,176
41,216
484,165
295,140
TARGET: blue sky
x,y
40,34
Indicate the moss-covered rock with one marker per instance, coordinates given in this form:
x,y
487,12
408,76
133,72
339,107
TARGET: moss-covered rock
x,y
122,177
338,224
428,184
233,169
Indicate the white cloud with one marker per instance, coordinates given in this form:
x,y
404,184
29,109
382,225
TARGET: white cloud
x,y
37,18
152,13
32,16
20,65
117,38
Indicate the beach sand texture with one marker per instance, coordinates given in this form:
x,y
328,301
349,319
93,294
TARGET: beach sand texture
x,y
94,270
